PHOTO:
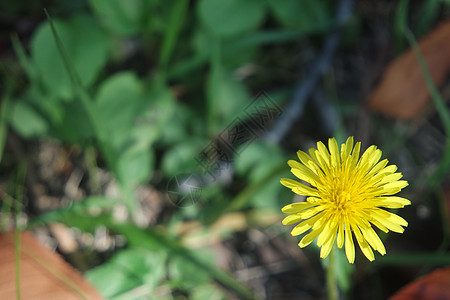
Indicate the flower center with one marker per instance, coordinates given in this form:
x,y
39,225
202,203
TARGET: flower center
x,y
340,194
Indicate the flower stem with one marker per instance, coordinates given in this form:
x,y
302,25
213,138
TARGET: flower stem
x,y
332,288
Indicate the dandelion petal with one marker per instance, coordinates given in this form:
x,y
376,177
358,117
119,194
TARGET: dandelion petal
x,y
346,195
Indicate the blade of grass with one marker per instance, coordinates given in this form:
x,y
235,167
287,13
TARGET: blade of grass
x,y
216,67
23,59
147,238
100,132
176,20
51,269
443,168
82,95
400,22
4,113
441,109
435,96
6,210
76,82
17,247
445,222
150,239
18,182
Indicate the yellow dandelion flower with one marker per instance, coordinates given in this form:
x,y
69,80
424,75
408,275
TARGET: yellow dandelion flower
x,y
345,196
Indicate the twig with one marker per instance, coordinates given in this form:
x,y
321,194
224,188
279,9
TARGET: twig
x,y
305,87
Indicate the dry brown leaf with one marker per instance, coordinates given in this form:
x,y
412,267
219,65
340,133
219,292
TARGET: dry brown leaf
x,y
433,286
43,273
402,92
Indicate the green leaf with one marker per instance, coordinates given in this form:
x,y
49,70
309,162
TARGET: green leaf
x,y
252,190
161,100
122,17
268,196
234,53
258,160
129,270
87,47
134,119
134,166
226,98
429,13
231,17
74,126
25,61
48,109
304,14
26,121
182,120
82,214
158,112
119,100
181,270
50,106
181,158
207,292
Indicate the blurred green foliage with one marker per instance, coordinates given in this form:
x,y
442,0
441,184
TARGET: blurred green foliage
x,y
149,83
81,92
130,116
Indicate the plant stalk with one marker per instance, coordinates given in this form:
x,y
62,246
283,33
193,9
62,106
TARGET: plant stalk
x,y
332,288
